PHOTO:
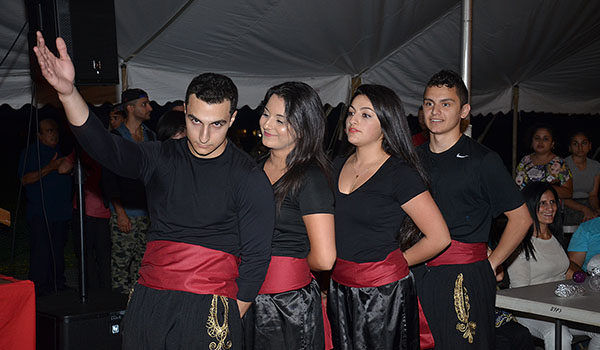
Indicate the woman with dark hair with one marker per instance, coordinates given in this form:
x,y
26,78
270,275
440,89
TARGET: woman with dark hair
x,y
541,258
543,165
171,125
372,301
586,180
287,313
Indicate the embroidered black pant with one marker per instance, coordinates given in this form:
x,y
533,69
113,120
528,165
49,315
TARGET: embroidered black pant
x,y
166,319
458,302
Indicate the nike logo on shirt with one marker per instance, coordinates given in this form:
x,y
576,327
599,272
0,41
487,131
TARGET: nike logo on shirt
x,y
458,155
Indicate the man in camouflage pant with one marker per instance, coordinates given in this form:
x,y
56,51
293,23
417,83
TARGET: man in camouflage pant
x,y
127,251
129,220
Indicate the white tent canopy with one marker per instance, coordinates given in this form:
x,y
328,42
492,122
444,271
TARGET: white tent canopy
x,y
551,49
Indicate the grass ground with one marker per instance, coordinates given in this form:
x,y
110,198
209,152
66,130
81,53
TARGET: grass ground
x,y
19,267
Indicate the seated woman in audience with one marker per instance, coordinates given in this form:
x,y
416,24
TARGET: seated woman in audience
x,y
541,258
586,181
171,125
585,243
372,301
287,313
543,165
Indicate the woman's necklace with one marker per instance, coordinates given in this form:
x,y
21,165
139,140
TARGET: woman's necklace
x,y
358,174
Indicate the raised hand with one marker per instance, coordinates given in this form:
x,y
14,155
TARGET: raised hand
x,y
58,71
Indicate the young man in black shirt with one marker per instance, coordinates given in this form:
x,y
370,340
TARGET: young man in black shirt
x,y
212,215
471,186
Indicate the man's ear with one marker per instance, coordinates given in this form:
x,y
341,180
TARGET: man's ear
x,y
232,119
465,110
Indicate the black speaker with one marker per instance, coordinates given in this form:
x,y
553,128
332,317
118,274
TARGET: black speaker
x,y
63,322
88,28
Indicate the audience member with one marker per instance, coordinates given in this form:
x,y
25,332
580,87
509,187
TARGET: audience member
x,y
585,243
543,165
117,117
423,135
171,125
129,220
97,244
178,105
586,181
471,186
48,197
541,258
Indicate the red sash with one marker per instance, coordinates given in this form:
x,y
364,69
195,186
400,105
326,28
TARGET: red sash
x,y
190,268
285,274
461,253
371,274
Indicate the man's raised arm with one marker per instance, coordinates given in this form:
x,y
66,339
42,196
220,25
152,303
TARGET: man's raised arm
x,y
60,74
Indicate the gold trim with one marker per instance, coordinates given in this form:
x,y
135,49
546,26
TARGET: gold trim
x,y
214,329
462,308
130,294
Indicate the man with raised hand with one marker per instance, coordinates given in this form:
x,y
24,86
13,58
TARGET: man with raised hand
x,y
471,186
211,209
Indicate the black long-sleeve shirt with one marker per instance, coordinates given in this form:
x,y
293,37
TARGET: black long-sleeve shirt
x,y
224,203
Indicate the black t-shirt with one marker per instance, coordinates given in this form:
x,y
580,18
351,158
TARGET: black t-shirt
x,y
314,197
368,220
225,203
471,186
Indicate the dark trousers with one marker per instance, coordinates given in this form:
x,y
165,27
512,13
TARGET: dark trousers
x,y
97,247
47,258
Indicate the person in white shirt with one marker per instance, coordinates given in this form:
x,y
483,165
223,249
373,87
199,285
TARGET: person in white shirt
x,y
541,258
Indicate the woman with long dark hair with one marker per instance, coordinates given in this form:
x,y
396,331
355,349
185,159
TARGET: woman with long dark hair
x,y
287,314
541,258
372,301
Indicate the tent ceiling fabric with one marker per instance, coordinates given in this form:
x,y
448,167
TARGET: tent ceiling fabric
x,y
551,49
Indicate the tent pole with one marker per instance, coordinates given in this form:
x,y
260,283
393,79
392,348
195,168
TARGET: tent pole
x,y
465,52
465,64
124,84
515,109
356,82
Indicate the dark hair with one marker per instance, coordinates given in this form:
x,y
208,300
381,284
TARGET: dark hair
x,y
450,79
576,132
397,141
538,126
213,88
117,108
305,115
176,103
533,193
48,120
171,123
129,96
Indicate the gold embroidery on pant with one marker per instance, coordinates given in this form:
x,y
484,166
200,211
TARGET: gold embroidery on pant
x,y
130,294
462,308
216,330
